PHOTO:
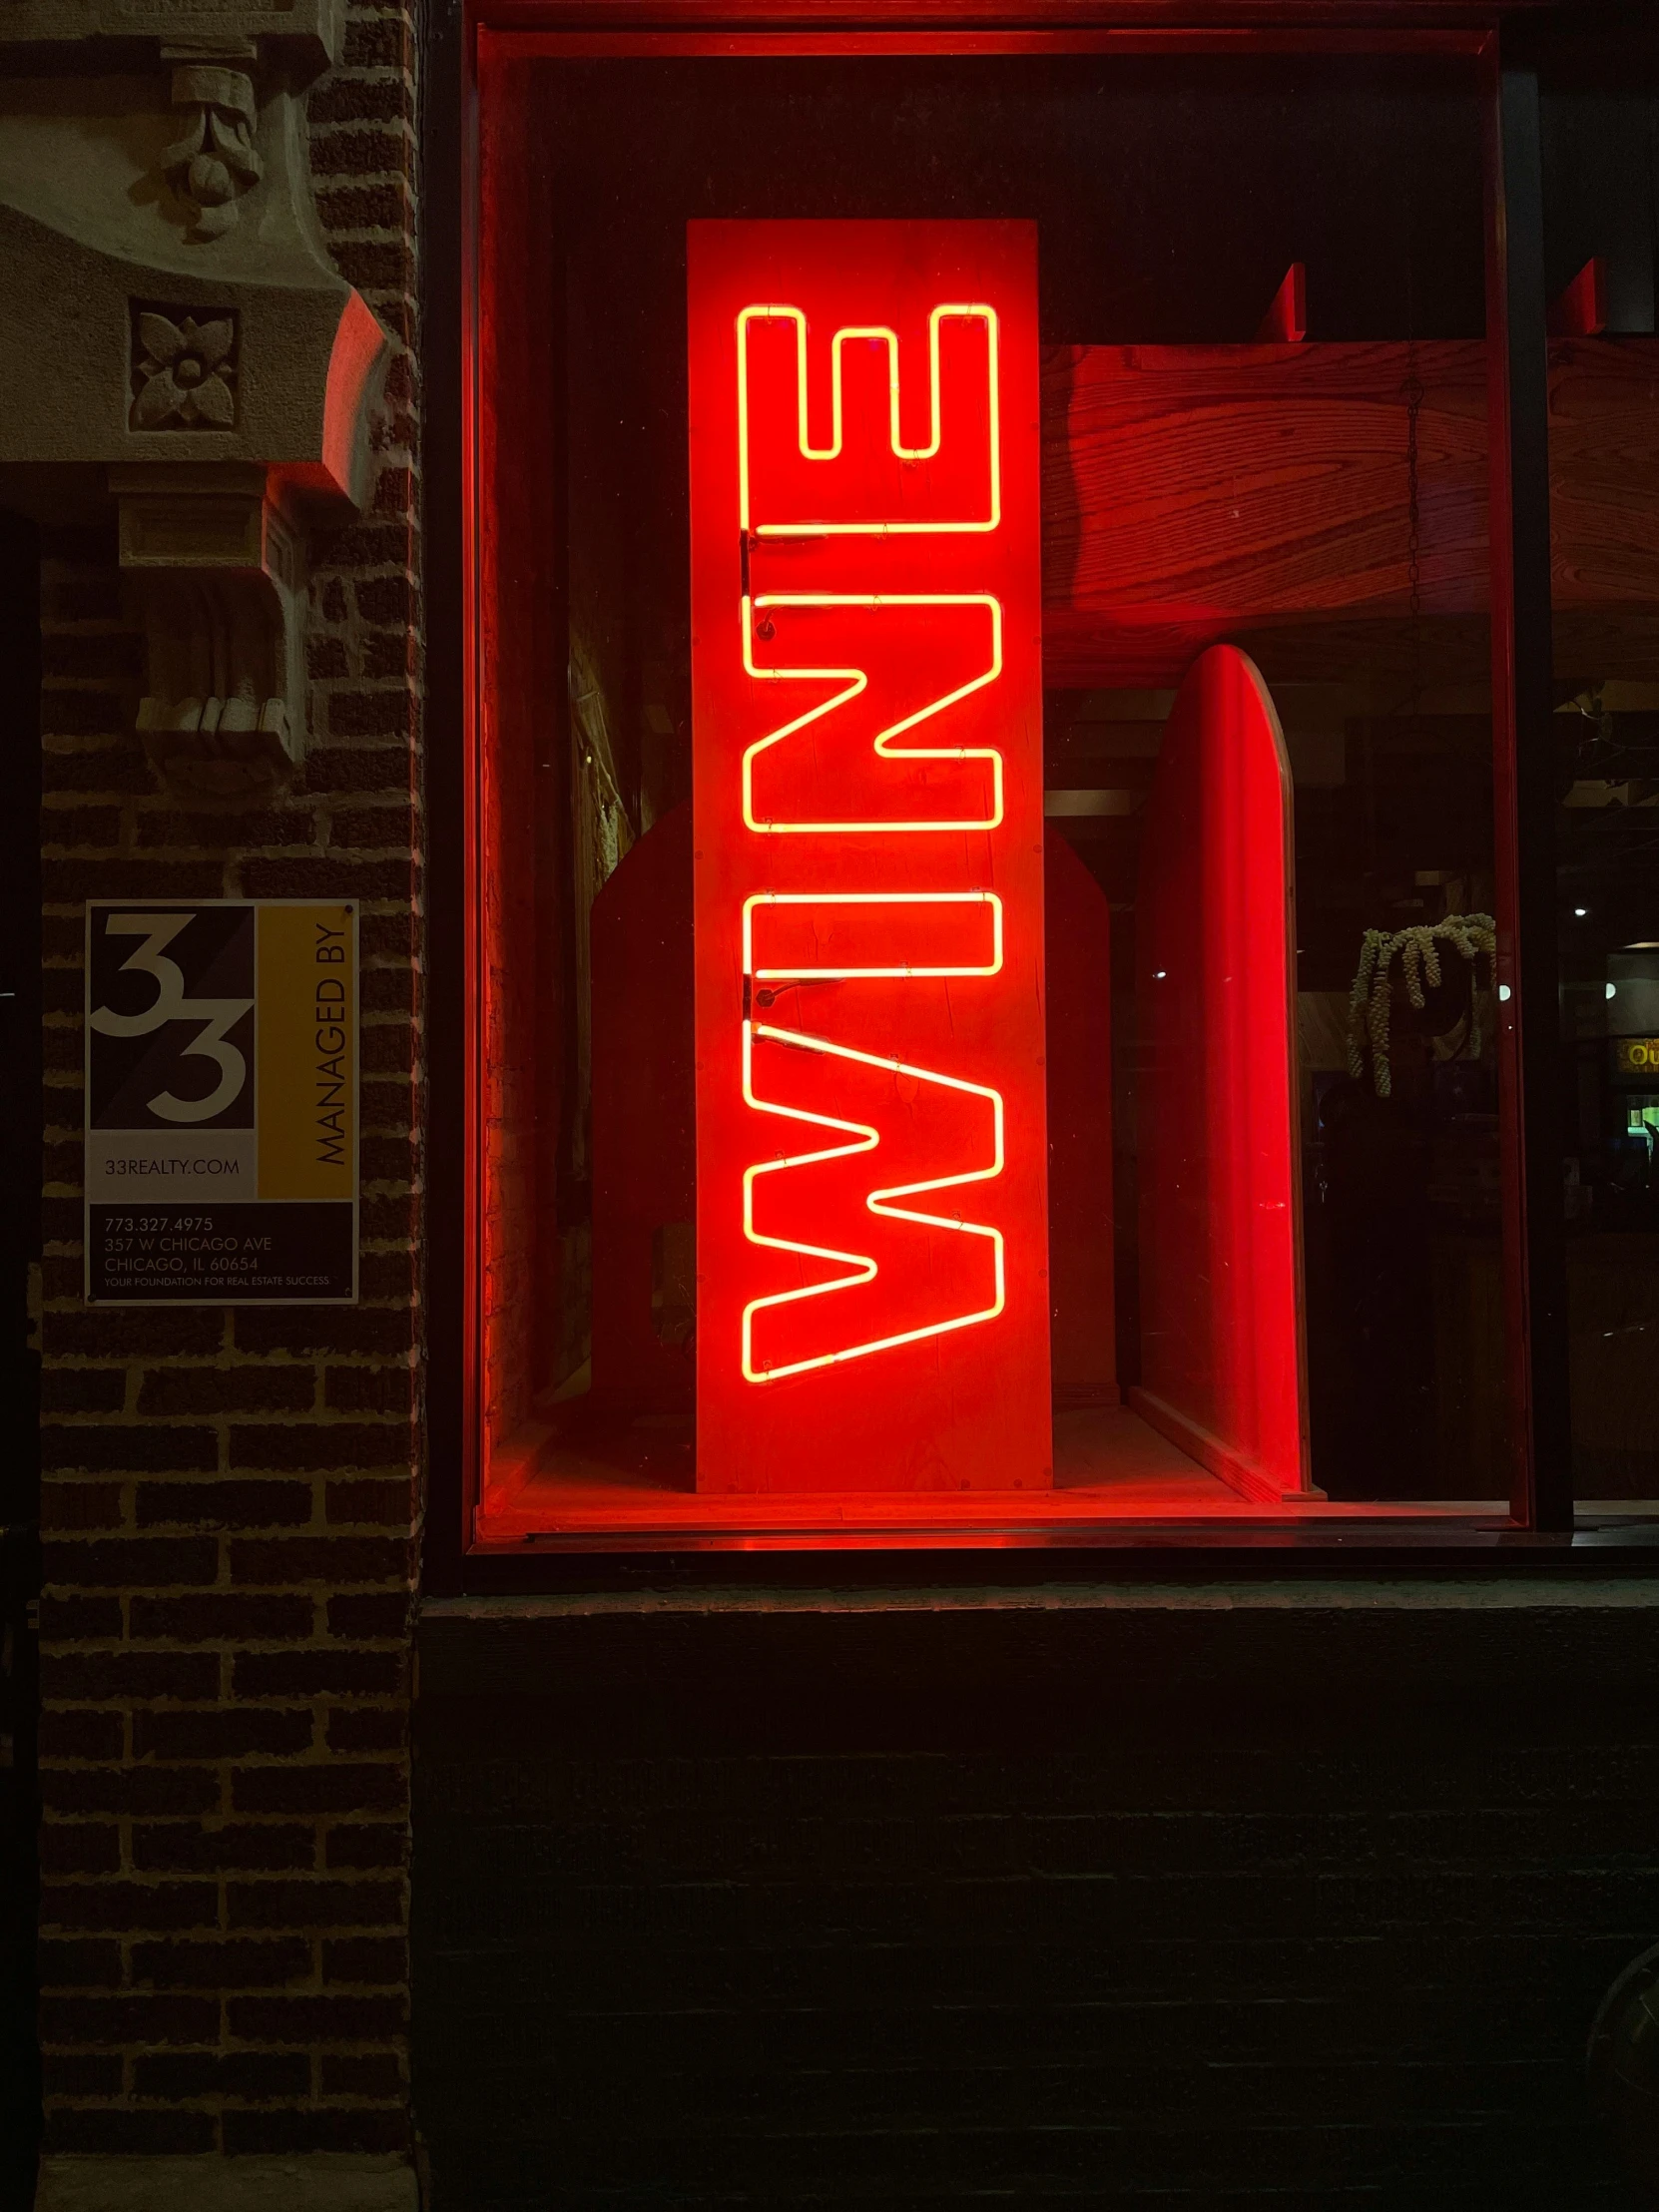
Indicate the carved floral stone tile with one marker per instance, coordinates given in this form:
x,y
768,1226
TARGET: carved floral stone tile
x,y
184,370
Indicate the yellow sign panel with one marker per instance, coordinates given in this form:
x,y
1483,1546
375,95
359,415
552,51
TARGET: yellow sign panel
x,y
1637,1057
222,1102
307,1051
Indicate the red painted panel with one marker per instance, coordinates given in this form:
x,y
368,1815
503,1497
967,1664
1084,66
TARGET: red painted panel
x,y
1220,1344
872,1310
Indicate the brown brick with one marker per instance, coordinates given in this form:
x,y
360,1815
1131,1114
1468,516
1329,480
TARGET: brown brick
x,y
64,1619
377,543
136,1791
321,1329
327,1673
384,1505
388,652
330,875
389,937
372,1844
378,1962
61,1222
81,654
129,1675
319,1788
401,381
323,1446
150,1562
361,100
289,1560
83,1391
371,1614
317,1903
384,151
79,1962
81,2074
147,879
387,1274
362,2074
113,1332
370,2128
80,1847
390,990
369,1727
251,2076
326,659
278,1505
387,1047
60,1049
370,714
238,1963
128,2017
238,1390
127,1446
379,41
80,1505
113,2132
90,714
358,768
239,1619
82,1732
90,594
316,2020
66,828
386,825
260,1847
386,599
387,1159
121,1905
236,1732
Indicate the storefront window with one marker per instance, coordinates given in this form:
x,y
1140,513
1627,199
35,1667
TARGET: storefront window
x,y
1599,217
987,1003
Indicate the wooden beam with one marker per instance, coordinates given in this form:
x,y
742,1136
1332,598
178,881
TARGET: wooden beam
x,y
1198,493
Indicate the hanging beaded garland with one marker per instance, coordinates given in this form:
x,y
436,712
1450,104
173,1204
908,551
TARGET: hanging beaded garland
x,y
1419,952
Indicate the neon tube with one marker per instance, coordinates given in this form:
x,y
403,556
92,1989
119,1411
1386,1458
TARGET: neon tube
x,y
955,311
865,1268
856,680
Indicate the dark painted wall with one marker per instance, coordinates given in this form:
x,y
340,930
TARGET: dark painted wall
x,y
1298,1895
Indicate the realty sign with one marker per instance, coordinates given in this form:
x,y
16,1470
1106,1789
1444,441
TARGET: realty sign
x,y
222,1102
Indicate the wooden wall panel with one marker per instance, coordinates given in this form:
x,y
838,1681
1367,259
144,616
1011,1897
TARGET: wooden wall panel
x,y
1261,493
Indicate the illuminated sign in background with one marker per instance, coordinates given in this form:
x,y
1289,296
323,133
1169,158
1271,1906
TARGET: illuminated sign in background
x,y
872,1309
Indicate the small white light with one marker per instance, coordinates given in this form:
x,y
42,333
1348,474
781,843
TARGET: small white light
x,y
1612,990
1503,991
1160,974
1581,911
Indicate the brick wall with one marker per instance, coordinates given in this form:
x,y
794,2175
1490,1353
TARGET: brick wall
x,y
229,1497
1284,1898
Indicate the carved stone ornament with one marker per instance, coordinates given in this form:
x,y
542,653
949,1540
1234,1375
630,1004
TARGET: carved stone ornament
x,y
219,569
212,372
215,161
183,370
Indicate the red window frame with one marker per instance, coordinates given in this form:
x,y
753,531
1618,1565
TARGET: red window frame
x,y
497,321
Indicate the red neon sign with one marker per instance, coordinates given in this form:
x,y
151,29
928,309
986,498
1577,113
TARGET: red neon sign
x,y
872,1307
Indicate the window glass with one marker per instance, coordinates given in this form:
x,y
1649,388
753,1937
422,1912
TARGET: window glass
x,y
1599,240
990,1024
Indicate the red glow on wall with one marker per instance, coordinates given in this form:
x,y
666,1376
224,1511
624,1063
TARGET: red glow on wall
x,y
872,1309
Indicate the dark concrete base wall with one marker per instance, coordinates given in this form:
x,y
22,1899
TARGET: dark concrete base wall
x,y
1291,1896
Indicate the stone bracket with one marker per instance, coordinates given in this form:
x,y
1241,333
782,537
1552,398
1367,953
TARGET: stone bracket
x,y
217,567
